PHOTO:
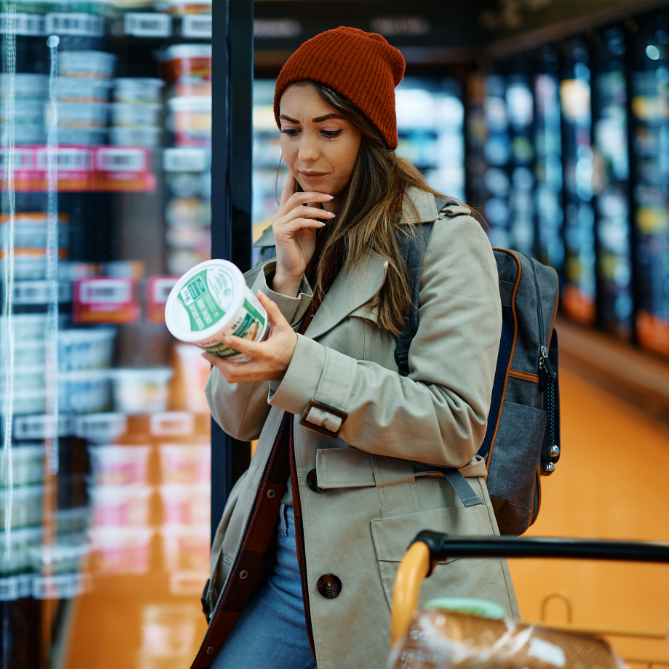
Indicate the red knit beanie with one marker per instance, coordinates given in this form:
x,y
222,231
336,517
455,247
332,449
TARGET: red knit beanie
x,y
361,66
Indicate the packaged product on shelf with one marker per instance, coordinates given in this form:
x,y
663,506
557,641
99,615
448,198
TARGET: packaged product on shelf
x,y
130,269
94,64
121,550
80,349
119,465
24,86
105,300
138,90
188,212
168,630
137,116
22,540
190,238
141,390
26,503
186,548
26,114
82,115
74,521
27,352
101,427
191,374
186,504
212,301
27,327
31,229
185,464
25,401
172,424
187,67
184,7
190,121
157,291
30,263
120,505
27,464
151,138
84,391
24,379
83,136
63,557
83,89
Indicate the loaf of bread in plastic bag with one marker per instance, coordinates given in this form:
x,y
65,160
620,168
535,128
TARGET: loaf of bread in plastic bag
x,y
445,640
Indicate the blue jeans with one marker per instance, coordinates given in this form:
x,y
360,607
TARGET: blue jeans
x,y
272,631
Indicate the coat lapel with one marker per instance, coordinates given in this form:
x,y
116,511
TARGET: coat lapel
x,y
350,290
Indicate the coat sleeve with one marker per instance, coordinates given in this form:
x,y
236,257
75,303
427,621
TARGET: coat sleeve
x,y
241,408
438,414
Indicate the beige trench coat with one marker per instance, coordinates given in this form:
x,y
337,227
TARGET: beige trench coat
x,y
374,503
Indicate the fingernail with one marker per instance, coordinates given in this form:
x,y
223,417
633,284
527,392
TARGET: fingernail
x,y
331,197
322,224
331,214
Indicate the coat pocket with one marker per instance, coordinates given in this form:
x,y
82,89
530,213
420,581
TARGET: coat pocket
x,y
393,535
344,468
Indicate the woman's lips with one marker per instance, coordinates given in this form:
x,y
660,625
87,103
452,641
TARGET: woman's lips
x,y
312,176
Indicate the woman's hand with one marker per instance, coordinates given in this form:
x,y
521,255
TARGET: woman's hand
x,y
269,359
295,226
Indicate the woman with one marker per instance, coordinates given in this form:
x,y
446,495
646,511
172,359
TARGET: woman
x,y
343,475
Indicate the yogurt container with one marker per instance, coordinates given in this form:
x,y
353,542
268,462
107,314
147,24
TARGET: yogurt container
x,y
212,301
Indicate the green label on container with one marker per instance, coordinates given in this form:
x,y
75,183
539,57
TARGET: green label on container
x,y
196,295
254,312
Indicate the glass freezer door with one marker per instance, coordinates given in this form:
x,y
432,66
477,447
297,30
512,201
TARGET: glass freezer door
x,y
650,170
105,126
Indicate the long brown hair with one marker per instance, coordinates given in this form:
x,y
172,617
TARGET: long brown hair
x,y
370,212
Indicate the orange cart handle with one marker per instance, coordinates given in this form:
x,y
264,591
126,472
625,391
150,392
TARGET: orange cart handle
x,y
414,567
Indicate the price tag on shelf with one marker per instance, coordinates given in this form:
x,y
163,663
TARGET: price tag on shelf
x,y
105,300
22,164
158,290
123,168
40,292
41,426
145,24
196,26
75,23
22,24
73,168
172,424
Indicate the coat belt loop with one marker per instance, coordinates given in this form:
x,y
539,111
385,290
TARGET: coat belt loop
x,y
396,484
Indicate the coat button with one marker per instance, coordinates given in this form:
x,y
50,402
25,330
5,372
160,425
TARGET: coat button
x,y
271,493
312,481
209,650
329,586
243,574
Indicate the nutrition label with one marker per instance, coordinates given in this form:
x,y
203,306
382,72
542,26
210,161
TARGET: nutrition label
x,y
207,297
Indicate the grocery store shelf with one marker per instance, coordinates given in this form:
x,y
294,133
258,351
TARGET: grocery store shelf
x,y
634,375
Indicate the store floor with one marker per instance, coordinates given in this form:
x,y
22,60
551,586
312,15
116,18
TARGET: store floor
x,y
610,483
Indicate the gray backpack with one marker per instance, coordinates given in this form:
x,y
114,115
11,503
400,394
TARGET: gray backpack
x,y
522,441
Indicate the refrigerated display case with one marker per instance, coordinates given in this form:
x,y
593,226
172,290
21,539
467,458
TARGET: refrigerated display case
x,y
611,183
548,159
650,176
105,126
579,291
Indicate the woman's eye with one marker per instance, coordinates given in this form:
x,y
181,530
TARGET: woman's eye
x,y
291,132
331,134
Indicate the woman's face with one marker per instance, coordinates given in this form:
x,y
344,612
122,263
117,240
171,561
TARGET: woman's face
x,y
319,146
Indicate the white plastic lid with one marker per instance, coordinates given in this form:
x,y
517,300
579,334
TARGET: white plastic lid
x,y
188,51
177,318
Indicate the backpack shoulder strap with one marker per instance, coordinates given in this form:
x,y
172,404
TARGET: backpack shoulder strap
x,y
413,248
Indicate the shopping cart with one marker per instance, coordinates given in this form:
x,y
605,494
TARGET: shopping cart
x,y
428,548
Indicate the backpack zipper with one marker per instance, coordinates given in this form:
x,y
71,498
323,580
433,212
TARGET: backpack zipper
x,y
544,363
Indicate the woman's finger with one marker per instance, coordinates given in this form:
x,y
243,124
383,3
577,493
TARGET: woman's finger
x,y
297,225
303,211
289,189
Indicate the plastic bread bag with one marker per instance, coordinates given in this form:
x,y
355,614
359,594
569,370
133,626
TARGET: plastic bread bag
x,y
440,639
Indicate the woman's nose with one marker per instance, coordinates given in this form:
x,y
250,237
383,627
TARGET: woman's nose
x,y
308,152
